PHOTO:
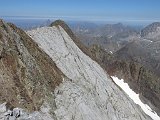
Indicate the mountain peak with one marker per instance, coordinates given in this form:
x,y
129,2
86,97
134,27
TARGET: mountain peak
x,y
86,88
71,34
58,22
64,26
152,28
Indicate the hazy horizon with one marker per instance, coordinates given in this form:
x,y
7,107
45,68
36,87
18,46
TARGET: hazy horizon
x,y
122,10
27,20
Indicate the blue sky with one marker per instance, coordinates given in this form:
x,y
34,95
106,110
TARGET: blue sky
x,y
93,9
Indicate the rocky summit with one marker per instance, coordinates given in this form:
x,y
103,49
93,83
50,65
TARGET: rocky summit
x,y
47,75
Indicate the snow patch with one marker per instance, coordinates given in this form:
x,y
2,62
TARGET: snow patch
x,y
135,98
147,40
111,52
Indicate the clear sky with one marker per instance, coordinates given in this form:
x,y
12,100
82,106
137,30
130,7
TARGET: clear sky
x,y
98,9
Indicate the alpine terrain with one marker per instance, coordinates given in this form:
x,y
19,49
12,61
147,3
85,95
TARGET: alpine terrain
x,y
47,74
137,62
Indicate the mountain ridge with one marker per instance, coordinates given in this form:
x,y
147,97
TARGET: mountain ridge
x,y
61,81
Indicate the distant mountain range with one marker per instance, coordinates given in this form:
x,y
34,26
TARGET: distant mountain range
x,y
110,37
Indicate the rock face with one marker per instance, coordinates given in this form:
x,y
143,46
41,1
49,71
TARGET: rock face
x,y
138,65
27,73
151,31
142,64
52,78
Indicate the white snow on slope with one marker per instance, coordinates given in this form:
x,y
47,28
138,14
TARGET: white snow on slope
x,y
87,92
135,98
147,40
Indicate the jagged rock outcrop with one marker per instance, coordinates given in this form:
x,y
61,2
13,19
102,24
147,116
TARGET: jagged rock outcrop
x,y
53,79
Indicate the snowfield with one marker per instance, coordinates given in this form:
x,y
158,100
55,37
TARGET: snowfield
x,y
87,92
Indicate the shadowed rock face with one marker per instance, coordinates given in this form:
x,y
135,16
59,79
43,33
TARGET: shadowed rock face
x,y
138,65
142,63
27,73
